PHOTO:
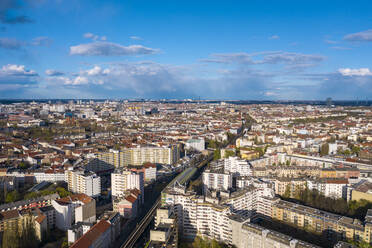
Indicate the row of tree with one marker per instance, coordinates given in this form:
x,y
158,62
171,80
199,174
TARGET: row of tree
x,y
313,198
203,243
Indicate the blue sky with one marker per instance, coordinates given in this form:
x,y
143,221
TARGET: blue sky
x,y
248,50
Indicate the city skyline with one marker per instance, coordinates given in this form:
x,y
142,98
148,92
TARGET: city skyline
x,y
175,50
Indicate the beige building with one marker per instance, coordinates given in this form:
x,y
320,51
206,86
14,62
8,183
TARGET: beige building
x,y
158,155
335,226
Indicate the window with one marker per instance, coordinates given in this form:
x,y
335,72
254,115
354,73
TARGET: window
x,y
306,223
318,227
295,220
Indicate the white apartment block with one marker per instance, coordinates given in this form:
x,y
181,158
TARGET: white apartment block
x,y
217,180
83,182
335,188
124,180
236,166
150,173
209,216
73,209
49,176
197,144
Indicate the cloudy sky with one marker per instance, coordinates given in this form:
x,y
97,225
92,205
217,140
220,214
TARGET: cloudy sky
x,y
248,50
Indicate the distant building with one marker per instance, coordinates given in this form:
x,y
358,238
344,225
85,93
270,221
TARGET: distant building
x,y
158,155
197,144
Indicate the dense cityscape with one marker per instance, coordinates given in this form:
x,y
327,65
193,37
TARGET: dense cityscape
x,y
88,173
185,124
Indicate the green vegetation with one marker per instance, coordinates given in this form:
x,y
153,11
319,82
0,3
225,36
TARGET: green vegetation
x,y
324,150
214,144
229,153
260,150
312,198
24,165
12,196
203,243
62,192
360,244
216,154
320,119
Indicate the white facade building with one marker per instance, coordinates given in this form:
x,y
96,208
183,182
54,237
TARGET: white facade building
x,y
236,166
197,144
217,180
73,209
83,182
124,180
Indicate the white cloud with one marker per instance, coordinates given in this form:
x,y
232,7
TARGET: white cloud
x,y
135,38
17,70
355,72
96,70
274,37
51,72
279,57
94,36
360,36
17,74
109,49
79,80
270,93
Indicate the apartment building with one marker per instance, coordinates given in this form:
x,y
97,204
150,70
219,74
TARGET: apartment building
x,y
127,205
123,180
113,157
208,216
195,215
249,235
236,166
196,144
216,180
165,232
73,209
49,176
335,188
85,182
16,220
334,226
153,154
99,236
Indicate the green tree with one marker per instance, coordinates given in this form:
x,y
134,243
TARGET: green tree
x,y
287,192
12,196
62,192
217,154
229,153
355,150
324,150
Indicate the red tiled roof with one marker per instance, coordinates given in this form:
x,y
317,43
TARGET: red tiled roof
x,y
76,197
88,238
